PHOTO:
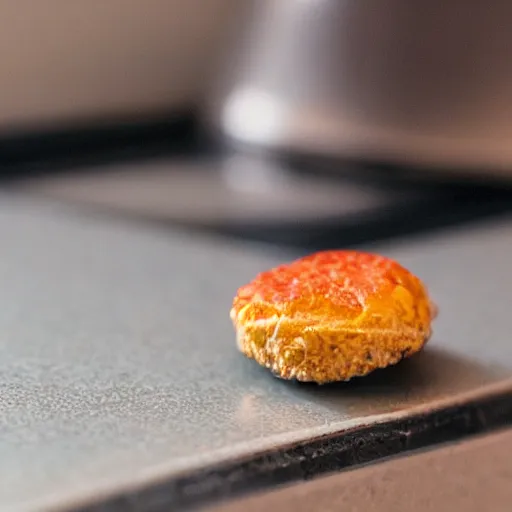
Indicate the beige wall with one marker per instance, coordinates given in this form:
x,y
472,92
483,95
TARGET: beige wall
x,y
65,60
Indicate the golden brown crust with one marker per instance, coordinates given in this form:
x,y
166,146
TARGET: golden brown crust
x,y
332,316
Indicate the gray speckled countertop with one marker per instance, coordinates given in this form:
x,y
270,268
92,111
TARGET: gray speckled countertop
x,y
118,360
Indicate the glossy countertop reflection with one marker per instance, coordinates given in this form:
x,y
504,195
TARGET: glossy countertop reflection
x,y
118,362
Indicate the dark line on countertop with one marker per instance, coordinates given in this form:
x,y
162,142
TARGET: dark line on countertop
x,y
313,458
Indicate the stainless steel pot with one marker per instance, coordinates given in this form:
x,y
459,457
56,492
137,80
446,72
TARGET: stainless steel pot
x,y
427,83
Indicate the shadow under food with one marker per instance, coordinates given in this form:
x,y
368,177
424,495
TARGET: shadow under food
x,y
425,378
422,379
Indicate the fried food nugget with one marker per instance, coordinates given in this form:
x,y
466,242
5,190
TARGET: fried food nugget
x,y
332,316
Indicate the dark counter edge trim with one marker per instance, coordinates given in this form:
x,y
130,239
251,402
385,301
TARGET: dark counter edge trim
x,y
313,458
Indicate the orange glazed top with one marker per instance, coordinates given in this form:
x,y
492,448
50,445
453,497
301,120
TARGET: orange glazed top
x,y
329,285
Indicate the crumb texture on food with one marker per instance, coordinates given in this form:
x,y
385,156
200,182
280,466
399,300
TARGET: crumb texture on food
x,y
332,315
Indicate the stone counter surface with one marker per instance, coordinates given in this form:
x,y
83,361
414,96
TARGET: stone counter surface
x,y
118,363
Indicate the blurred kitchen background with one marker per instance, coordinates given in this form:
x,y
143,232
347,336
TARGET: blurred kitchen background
x,y
317,123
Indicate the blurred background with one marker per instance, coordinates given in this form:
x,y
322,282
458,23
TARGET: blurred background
x,y
306,122
300,124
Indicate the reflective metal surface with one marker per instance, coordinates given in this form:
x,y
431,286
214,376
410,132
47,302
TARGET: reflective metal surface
x,y
235,190
404,82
